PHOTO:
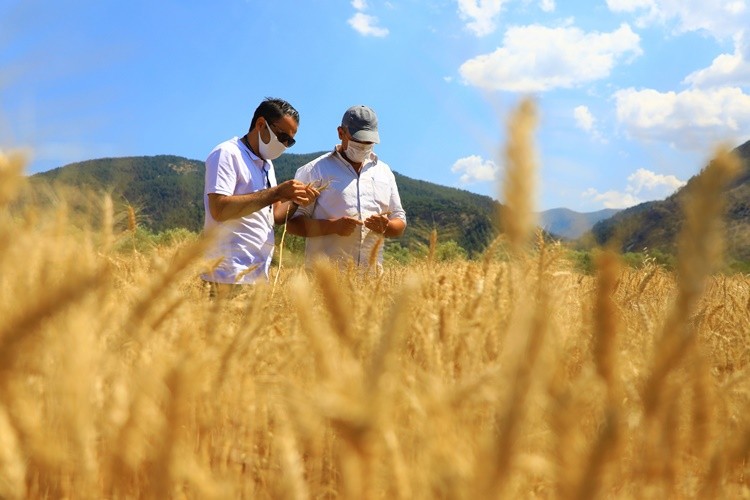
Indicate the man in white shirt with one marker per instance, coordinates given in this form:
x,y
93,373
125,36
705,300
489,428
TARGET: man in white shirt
x,y
242,199
358,204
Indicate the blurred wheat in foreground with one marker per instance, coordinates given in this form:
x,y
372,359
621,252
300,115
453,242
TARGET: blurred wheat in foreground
x,y
520,378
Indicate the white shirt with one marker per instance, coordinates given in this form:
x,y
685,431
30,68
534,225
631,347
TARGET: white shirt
x,y
247,242
371,192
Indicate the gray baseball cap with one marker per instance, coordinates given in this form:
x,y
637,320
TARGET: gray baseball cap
x,y
362,124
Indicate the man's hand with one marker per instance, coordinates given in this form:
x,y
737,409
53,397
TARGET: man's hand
x,y
312,195
377,223
296,192
345,225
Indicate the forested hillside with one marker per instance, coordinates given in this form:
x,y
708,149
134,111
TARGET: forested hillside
x,y
655,224
167,192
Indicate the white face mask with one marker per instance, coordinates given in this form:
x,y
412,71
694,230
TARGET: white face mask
x,y
273,149
357,152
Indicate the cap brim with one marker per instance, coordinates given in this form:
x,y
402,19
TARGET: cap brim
x,y
366,136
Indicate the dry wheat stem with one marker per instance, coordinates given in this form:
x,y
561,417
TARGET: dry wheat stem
x,y
281,251
606,321
433,247
518,215
699,249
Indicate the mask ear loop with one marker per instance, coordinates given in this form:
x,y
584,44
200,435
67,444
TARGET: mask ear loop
x,y
271,135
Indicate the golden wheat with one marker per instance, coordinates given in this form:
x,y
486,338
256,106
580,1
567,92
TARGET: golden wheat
x,y
499,377
517,214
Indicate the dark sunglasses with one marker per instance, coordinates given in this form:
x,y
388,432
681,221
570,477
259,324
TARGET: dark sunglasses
x,y
284,138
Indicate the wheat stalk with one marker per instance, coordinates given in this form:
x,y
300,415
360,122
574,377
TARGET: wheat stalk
x,y
433,247
320,185
281,251
12,165
605,324
372,260
518,214
699,247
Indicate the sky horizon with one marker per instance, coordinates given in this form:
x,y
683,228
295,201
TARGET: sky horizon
x,y
633,96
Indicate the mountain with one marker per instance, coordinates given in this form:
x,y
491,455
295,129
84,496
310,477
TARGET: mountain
x,y
569,224
655,224
167,192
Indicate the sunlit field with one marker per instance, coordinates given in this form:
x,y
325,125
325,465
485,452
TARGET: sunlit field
x,y
507,376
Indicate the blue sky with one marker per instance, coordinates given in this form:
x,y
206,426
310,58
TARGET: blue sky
x,y
633,95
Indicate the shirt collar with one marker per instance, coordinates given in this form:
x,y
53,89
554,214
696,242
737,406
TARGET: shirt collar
x,y
259,162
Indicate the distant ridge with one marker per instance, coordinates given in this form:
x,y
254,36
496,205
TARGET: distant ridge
x,y
570,224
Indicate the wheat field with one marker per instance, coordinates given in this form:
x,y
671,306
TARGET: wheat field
x,y
510,376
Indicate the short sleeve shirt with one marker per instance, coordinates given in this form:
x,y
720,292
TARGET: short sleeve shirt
x,y
373,191
244,245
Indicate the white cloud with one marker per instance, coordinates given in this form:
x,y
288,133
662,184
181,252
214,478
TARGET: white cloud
x,y
537,58
611,199
547,5
629,5
647,180
480,14
367,25
693,119
726,69
584,119
720,18
475,169
359,4
643,185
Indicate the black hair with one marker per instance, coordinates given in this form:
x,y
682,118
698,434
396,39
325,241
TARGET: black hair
x,y
273,109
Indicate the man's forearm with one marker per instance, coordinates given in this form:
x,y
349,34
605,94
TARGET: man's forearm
x,y
309,228
225,207
395,228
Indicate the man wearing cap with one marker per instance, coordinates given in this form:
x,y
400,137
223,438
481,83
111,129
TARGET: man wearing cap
x,y
358,203
242,200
